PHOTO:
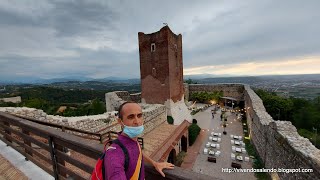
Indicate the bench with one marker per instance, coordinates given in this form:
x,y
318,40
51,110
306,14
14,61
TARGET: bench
x,y
236,165
212,159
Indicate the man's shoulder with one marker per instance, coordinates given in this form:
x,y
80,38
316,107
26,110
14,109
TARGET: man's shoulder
x,y
114,148
114,154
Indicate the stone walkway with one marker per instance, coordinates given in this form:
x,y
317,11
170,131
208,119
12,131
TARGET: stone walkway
x,y
209,124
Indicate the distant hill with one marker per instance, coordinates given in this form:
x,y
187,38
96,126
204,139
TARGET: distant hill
x,y
201,78
257,79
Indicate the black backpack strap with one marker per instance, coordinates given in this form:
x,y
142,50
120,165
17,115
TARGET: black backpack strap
x,y
126,155
103,168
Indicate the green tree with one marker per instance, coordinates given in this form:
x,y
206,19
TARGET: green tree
x,y
35,103
190,81
170,119
206,97
304,114
98,107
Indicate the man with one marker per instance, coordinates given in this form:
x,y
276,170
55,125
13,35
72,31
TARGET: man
x,y
130,118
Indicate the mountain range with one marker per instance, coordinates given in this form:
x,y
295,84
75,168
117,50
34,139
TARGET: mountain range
x,y
201,78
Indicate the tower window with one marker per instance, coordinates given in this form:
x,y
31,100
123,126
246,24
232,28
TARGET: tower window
x,y
175,47
153,47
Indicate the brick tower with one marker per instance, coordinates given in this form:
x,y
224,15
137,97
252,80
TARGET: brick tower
x,y
161,72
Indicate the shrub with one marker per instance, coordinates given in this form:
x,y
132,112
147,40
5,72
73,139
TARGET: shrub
x,y
206,96
180,158
170,119
194,131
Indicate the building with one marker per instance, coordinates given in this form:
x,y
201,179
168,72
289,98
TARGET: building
x,y
161,70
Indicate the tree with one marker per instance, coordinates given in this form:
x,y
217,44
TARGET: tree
x,y
194,131
97,107
190,81
170,119
303,114
206,97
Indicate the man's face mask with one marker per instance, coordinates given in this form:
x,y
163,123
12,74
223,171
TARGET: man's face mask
x,y
133,132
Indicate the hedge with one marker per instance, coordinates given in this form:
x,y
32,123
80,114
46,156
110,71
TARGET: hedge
x,y
170,119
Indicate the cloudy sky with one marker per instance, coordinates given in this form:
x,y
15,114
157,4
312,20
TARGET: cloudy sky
x,y
99,38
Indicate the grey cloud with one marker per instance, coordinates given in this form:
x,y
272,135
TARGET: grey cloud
x,y
81,17
99,38
256,32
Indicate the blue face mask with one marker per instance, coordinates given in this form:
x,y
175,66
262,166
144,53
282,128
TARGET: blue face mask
x,y
133,132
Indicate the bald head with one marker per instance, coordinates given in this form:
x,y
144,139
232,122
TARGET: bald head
x,y
123,107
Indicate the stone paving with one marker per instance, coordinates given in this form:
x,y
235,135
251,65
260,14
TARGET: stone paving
x,y
234,126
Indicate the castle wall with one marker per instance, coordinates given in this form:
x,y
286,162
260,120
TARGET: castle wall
x,y
229,90
186,91
278,142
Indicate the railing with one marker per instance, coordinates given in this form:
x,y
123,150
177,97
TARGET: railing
x,y
45,147
101,137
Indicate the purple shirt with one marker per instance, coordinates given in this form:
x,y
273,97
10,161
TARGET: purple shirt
x,y
114,160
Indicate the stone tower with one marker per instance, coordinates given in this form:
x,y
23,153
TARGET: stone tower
x,y
161,72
